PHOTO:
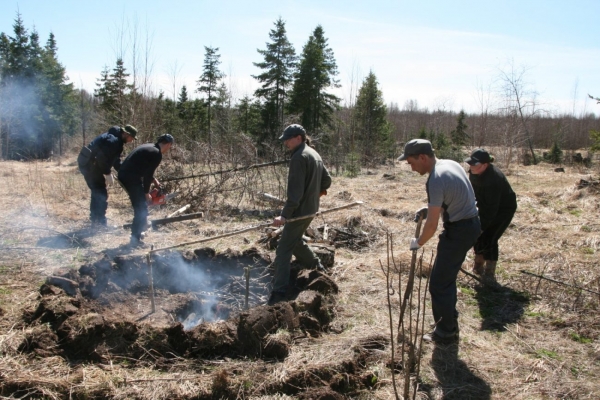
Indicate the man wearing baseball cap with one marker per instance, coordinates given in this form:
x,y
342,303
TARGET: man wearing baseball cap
x,y
308,180
136,175
95,162
450,196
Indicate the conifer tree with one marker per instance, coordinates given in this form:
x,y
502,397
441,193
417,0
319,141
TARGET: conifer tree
x,y
372,127
209,83
36,103
316,73
459,135
115,94
278,68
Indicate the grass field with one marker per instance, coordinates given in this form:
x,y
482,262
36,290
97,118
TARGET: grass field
x,y
531,339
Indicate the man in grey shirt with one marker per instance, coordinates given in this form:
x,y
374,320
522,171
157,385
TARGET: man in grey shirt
x,y
450,195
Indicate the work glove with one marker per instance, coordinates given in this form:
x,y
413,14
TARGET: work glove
x,y
323,193
422,212
109,179
414,244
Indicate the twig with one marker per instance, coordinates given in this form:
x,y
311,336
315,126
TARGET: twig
x,y
559,282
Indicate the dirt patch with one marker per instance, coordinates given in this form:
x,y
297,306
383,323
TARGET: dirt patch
x,y
103,309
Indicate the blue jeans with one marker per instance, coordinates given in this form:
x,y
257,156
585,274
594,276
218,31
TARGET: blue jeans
x,y
455,241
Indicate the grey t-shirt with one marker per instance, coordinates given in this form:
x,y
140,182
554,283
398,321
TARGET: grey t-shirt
x,y
448,187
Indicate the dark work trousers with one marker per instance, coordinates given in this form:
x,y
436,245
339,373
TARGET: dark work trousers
x,y
99,201
136,193
487,243
291,243
455,241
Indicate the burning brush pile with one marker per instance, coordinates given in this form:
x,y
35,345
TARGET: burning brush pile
x,y
205,304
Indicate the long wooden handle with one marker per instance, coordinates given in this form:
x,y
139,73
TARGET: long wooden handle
x,y
252,228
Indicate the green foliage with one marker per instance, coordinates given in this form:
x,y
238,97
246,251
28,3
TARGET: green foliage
x,y
459,135
276,79
372,128
115,94
579,338
37,105
444,148
541,353
249,118
555,156
316,74
209,83
352,165
595,137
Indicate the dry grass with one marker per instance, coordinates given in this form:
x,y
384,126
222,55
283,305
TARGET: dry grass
x,y
533,340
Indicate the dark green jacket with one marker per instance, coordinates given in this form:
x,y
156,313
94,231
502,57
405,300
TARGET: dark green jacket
x,y
307,178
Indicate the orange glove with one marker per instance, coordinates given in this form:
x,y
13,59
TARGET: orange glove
x,y
323,193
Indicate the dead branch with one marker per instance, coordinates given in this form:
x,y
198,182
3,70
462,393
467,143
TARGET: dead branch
x,y
226,171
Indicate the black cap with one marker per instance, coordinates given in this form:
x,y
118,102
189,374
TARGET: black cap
x,y
131,130
478,156
292,131
416,147
166,138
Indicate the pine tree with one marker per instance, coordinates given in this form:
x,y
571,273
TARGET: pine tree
x,y
279,65
36,103
57,94
115,94
209,82
372,127
316,74
459,135
249,116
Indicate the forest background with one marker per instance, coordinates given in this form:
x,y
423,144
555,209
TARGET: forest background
x,y
43,114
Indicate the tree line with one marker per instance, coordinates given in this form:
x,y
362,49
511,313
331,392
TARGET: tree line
x,y
40,109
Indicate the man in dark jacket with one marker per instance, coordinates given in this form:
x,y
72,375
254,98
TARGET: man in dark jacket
x,y
136,175
95,162
308,180
497,204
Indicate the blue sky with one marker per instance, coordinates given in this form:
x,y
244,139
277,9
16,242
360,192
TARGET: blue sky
x,y
442,54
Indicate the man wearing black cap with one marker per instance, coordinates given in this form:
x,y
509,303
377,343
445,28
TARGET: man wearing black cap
x,y
308,180
95,161
136,175
497,204
450,196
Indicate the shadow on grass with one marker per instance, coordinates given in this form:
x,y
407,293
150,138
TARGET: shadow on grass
x,y
456,380
68,240
500,306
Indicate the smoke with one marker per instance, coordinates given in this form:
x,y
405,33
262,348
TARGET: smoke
x,y
27,127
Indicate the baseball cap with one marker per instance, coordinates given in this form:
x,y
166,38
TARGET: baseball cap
x,y
478,156
292,131
166,138
415,147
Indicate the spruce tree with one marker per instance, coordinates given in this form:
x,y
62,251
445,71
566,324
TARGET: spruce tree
x,y
36,103
459,135
316,73
372,127
278,68
209,83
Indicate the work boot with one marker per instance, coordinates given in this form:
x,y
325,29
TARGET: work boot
x,y
489,273
137,242
478,264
